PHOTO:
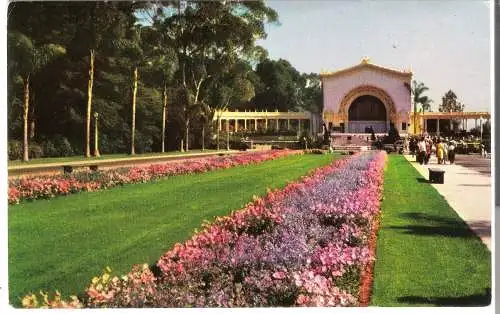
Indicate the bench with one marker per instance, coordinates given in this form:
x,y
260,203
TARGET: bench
x,y
436,175
69,168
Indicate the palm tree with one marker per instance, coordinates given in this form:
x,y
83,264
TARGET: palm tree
x,y
418,89
25,60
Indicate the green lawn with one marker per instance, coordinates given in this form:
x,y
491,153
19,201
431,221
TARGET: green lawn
x,y
40,161
426,255
63,242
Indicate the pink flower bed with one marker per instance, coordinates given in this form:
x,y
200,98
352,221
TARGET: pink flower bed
x,y
50,186
304,245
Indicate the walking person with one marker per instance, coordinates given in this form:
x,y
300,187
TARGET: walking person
x,y
439,151
445,151
428,150
451,152
421,151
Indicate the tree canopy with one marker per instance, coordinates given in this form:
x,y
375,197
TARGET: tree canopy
x,y
191,56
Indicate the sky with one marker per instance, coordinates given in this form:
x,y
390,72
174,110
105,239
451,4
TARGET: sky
x,y
446,44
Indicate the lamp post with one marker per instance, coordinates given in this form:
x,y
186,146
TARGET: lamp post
x,y
96,135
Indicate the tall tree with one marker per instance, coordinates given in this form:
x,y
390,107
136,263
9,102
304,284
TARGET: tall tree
x,y
450,103
210,37
418,89
26,59
281,86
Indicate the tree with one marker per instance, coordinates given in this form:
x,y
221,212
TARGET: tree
x,y
26,59
163,64
449,103
280,87
210,37
418,89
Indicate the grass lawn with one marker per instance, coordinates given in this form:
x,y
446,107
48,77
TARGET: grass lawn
x,y
426,255
40,161
61,243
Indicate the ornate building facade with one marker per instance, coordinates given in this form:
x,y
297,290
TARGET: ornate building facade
x,y
366,96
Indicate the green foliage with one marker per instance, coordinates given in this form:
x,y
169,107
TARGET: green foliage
x,y
449,103
204,54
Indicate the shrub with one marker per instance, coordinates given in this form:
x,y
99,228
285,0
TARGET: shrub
x,y
15,150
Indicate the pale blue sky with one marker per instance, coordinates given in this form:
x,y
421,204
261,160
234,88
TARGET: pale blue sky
x,y
446,43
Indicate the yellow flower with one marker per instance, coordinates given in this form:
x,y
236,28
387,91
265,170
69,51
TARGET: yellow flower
x,y
95,280
108,269
98,287
105,277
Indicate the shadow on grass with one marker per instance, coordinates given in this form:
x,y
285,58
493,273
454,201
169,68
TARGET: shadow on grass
x,y
422,180
480,299
432,225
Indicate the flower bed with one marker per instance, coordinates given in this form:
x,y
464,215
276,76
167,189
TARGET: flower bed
x,y
51,186
305,245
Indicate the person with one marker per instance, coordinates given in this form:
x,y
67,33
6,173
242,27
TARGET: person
x,y
451,152
428,150
484,154
439,151
421,151
445,151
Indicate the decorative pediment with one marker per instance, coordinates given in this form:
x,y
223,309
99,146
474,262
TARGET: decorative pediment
x,y
366,64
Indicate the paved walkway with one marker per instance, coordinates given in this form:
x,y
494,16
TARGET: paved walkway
x,y
468,192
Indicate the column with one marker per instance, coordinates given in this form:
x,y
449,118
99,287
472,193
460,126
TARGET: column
x,y
255,124
299,124
288,124
227,125
481,127
235,125
425,126
245,123
437,127
475,123
265,125
277,124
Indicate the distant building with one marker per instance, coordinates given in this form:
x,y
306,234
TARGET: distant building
x,y
366,96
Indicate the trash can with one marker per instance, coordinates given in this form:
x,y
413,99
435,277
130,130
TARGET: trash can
x,y
436,176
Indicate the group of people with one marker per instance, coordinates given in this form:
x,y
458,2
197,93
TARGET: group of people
x,y
424,147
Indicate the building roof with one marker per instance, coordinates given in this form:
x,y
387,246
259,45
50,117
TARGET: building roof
x,y
366,63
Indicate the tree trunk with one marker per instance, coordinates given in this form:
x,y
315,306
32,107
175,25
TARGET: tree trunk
x,y
187,135
164,119
415,118
96,138
218,133
25,117
32,122
203,138
89,103
134,97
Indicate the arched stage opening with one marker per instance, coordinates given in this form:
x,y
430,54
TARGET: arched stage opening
x,y
367,112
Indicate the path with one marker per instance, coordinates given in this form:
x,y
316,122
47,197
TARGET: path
x,y
56,167
467,188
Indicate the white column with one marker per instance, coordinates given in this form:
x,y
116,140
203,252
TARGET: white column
x,y
481,127
288,124
235,125
438,127
227,125
255,125
265,125
277,124
245,123
299,125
